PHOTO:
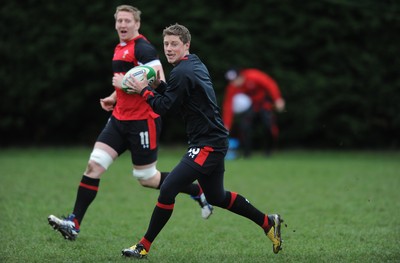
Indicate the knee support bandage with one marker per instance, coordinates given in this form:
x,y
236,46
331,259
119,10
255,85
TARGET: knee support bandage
x,y
145,174
101,157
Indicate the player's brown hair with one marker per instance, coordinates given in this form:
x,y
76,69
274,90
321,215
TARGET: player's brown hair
x,y
178,30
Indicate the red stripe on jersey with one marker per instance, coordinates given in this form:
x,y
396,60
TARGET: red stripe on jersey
x,y
90,187
164,206
152,133
203,154
233,198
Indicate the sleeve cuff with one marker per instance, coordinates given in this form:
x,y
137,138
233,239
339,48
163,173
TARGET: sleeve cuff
x,y
146,92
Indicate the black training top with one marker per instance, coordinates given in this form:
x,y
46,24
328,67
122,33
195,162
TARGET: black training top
x,y
190,89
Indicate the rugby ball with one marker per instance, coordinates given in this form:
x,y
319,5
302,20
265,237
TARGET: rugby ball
x,y
241,103
137,73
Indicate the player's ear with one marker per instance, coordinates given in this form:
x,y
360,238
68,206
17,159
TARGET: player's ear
x,y
137,25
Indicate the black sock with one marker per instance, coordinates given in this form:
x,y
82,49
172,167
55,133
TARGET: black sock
x,y
159,218
87,192
191,189
241,206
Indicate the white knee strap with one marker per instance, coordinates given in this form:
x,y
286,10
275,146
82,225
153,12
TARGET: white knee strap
x,y
145,174
101,157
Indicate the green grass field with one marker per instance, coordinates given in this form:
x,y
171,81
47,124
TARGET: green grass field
x,y
338,207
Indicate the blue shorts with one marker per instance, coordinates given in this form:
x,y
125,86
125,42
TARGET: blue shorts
x,y
140,137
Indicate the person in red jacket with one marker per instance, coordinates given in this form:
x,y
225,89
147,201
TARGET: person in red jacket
x,y
249,96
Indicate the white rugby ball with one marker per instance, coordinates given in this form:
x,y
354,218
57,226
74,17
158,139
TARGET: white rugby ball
x,y
241,103
138,73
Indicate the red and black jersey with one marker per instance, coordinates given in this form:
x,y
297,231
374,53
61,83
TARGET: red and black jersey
x,y
127,55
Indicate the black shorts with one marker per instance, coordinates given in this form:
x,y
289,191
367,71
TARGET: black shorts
x,y
140,137
204,164
205,160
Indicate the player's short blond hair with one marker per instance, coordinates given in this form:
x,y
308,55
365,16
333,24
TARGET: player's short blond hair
x,y
131,9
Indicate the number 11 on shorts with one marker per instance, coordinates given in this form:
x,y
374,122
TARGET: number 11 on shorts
x,y
144,139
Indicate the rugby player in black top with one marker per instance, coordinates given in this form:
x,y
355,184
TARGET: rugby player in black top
x,y
133,126
190,88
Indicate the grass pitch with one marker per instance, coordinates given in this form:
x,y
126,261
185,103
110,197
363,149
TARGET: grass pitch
x,y
338,207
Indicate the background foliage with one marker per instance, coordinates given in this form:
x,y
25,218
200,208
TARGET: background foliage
x,y
336,62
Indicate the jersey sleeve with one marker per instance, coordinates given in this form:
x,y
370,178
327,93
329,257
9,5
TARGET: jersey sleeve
x,y
270,86
171,95
145,52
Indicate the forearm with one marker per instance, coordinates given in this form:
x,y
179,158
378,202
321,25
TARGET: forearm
x,y
162,87
160,103
113,95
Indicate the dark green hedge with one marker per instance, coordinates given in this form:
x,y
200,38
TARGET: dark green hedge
x,y
336,62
